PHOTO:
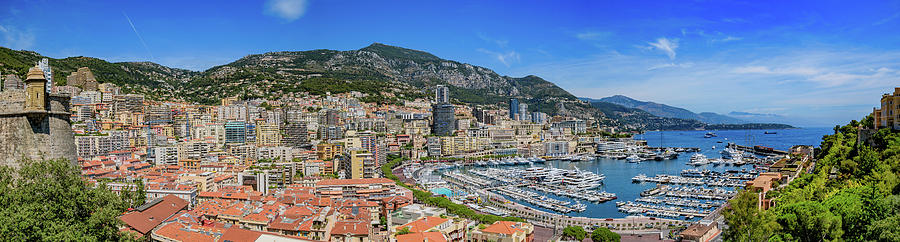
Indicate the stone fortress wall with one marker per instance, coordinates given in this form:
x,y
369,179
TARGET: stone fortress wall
x,y
45,133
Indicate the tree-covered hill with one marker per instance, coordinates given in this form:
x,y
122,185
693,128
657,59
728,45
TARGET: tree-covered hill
x,y
852,194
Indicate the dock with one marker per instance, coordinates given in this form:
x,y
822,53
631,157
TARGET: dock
x,y
757,150
676,149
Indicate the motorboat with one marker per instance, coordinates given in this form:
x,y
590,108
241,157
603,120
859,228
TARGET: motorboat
x,y
698,160
634,158
729,153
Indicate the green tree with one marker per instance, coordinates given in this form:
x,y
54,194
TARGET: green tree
x,y
745,221
856,207
574,232
888,228
602,234
402,231
809,221
47,200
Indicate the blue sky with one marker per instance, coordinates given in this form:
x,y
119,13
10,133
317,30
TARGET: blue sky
x,y
820,62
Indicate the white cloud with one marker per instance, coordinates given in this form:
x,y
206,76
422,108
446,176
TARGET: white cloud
x,y
505,58
888,19
500,42
288,10
734,20
726,39
666,45
592,35
671,65
801,71
16,39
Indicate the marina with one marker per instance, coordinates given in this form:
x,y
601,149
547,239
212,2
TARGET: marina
x,y
601,186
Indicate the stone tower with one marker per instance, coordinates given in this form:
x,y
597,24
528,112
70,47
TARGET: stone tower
x,y
36,90
35,124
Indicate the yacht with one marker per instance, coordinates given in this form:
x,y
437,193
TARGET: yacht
x,y
729,153
639,178
693,173
709,135
535,173
581,179
634,159
698,160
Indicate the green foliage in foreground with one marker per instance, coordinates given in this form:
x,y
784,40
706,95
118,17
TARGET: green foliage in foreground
x,y
442,202
48,201
574,232
602,234
860,203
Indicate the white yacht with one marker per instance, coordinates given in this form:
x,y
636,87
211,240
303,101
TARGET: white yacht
x,y
698,160
634,159
729,152
576,179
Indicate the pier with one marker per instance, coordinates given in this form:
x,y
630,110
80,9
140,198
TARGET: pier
x,y
676,149
559,221
662,210
757,150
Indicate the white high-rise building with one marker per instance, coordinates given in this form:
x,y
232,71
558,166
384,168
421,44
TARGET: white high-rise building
x,y
48,73
523,112
441,94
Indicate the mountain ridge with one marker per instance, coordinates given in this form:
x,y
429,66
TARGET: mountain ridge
x,y
664,110
385,74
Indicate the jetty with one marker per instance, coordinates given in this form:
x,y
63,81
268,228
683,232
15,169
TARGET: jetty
x,y
757,150
676,149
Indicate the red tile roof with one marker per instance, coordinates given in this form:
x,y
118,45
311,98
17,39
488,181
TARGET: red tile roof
x,y
503,227
422,237
146,220
332,182
423,224
239,235
350,228
175,231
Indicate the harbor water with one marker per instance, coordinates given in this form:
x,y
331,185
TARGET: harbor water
x,y
619,173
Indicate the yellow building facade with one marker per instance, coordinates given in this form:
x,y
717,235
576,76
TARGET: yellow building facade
x,y
888,116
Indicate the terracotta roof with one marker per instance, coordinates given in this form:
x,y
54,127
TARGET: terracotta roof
x,y
350,228
289,223
177,232
209,194
300,211
423,224
696,230
422,237
238,235
331,182
146,220
234,211
256,217
504,227
357,203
